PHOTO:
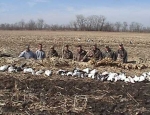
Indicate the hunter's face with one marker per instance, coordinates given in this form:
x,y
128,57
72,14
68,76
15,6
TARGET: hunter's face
x,y
93,47
107,49
27,49
66,48
78,49
40,47
121,47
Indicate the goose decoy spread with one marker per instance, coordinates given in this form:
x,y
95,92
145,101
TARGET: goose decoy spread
x,y
85,73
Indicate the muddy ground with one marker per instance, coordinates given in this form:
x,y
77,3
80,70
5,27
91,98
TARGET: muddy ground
x,y
57,95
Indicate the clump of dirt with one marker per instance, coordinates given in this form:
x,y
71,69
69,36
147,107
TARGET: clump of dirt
x,y
72,96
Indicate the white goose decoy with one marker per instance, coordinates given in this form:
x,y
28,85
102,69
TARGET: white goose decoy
x,y
111,76
29,70
4,68
145,74
141,78
90,75
94,71
11,69
48,73
87,70
126,80
39,72
148,78
77,74
69,73
131,79
148,73
136,78
121,77
61,72
105,73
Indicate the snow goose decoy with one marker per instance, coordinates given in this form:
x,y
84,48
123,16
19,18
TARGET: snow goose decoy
x,y
111,76
126,80
21,67
104,76
4,68
48,73
12,69
121,77
29,70
69,73
39,72
87,70
131,80
142,78
61,72
77,74
148,78
93,73
136,78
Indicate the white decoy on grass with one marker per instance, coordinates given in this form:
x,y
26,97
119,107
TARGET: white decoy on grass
x,y
61,72
111,76
141,78
11,69
39,72
87,70
105,73
90,75
94,71
48,73
77,74
131,79
148,78
136,78
127,80
121,77
29,70
4,68
69,73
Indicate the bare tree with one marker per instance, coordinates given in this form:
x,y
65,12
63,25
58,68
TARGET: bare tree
x,y
82,23
31,25
40,24
118,26
80,20
125,26
21,24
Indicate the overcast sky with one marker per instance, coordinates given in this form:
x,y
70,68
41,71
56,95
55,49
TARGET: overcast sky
x,y
64,11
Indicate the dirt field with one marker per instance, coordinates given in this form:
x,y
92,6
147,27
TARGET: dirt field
x,y
57,95
13,42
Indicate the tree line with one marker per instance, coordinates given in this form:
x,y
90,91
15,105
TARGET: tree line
x,y
81,23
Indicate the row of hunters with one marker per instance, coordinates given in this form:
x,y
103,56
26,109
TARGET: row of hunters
x,y
81,54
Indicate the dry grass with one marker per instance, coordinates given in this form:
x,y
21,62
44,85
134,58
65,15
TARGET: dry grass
x,y
13,42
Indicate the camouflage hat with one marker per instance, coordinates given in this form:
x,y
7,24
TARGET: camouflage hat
x,y
95,45
106,46
67,45
79,46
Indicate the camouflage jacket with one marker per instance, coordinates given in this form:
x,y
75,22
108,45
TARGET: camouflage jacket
x,y
121,55
67,54
96,54
109,54
53,53
80,55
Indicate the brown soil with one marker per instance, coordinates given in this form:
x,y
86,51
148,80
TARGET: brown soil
x,y
56,96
